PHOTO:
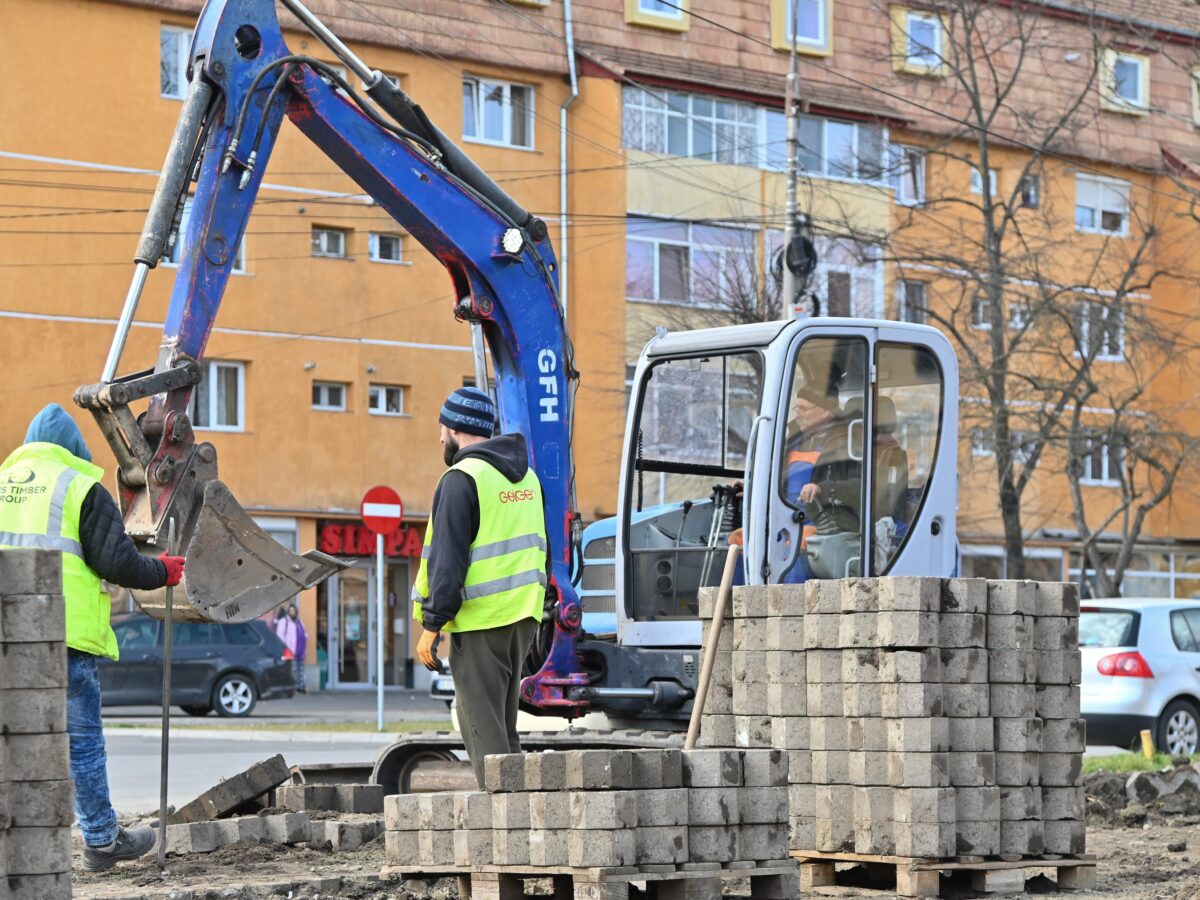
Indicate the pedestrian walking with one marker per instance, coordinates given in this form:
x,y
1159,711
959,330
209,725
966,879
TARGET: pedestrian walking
x,y
483,572
63,506
301,648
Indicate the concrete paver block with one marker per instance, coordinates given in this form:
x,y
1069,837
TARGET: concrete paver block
x,y
863,700
1056,598
35,666
787,667
473,810
977,804
1060,769
712,768
764,768
966,700
1012,701
548,848
1060,803
1064,836
921,735
787,600
401,811
360,798
30,804
605,810
40,887
33,711
913,701
231,793
473,846
823,667
601,848
962,630
303,797
835,835
924,806
799,766
39,851
1018,735
822,630
1059,667
750,601
661,808
749,698
925,839
31,571
978,838
1011,597
437,811
510,812
972,768
919,769
1025,837
964,665
763,843
31,617
717,731
829,733
857,595
599,770
822,596
831,766
549,811
802,833
1057,701
661,845
762,805
1055,633
875,838
907,629
653,769
1017,769
287,828
972,734
504,772
964,595
909,594
435,848
713,844
749,665
401,848
750,634
1012,666
192,837
785,633
1010,632
911,666
1018,804
752,731
37,757
713,806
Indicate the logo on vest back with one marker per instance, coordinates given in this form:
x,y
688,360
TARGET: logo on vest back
x,y
515,496
17,475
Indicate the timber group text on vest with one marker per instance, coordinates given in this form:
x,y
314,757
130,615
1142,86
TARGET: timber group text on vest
x,y
506,577
42,487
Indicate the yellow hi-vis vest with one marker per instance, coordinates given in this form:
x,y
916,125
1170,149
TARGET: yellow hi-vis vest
x,y
506,577
42,487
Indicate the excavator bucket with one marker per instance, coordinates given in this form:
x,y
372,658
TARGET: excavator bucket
x,y
236,571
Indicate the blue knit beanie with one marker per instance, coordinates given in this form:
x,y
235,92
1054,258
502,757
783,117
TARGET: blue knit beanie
x,y
470,411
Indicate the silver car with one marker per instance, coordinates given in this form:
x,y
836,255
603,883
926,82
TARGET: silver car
x,y
1141,670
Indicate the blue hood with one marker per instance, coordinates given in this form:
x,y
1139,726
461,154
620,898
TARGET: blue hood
x,y
54,426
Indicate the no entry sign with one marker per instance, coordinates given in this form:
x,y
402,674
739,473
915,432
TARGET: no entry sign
x,y
381,510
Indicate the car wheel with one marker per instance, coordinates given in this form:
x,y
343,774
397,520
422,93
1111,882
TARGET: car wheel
x,y
194,710
234,696
1179,729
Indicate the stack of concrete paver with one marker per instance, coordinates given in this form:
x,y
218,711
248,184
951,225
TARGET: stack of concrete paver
x,y
655,809
36,800
921,717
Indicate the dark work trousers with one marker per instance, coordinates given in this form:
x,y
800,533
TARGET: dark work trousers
x,y
486,666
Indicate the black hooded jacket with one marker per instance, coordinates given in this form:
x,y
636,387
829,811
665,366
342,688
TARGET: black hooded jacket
x,y
455,521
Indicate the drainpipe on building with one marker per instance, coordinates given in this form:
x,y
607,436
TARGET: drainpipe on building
x,y
563,281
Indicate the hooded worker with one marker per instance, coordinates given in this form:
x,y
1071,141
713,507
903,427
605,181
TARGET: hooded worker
x,y
51,498
483,572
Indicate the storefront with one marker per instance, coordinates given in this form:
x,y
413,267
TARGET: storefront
x,y
347,612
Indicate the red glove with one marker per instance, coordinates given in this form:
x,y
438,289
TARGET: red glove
x,y
174,566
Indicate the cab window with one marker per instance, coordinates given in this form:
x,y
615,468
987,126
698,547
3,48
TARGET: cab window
x,y
907,422
821,471
142,633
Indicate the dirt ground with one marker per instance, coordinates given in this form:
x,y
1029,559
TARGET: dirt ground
x,y
1149,854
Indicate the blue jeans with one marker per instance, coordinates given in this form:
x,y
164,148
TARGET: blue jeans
x,y
89,762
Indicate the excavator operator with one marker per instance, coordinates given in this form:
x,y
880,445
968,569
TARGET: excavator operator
x,y
483,572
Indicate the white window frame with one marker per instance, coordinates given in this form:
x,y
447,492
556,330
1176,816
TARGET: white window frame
x,y
724,253
330,229
1108,86
478,84
919,63
373,244
820,42
906,165
1035,193
379,389
323,387
180,62
210,367
977,181
1105,478
1086,309
1101,185
978,321
1194,78
983,444
171,257
1019,313
664,13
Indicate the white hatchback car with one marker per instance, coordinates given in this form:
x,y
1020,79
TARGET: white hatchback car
x,y
1141,670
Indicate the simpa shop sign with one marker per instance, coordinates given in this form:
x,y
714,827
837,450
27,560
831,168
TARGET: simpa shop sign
x,y
355,539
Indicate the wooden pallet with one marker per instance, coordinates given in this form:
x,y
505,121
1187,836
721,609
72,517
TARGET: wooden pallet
x,y
922,877
778,881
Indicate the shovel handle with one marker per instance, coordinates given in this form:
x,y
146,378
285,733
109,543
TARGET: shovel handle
x,y
710,650
166,710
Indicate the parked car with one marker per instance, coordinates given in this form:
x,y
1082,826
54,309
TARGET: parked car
x,y
224,667
1141,670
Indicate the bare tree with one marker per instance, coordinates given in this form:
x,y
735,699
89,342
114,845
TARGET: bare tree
x,y
1038,271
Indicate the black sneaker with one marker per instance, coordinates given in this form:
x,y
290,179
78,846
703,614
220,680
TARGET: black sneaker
x,y
128,845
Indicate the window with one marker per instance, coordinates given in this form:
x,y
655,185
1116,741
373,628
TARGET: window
x,y
497,112
329,242
696,125
1101,205
1181,633
912,302
328,395
906,174
1030,192
1101,330
138,634
1101,458
980,315
812,21
218,401
1195,79
686,263
670,15
839,149
172,256
241,635
282,530
173,47
977,182
1125,84
983,442
1019,315
917,42
386,400
386,247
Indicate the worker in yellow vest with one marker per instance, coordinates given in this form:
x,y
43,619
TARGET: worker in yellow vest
x,y
483,572
51,498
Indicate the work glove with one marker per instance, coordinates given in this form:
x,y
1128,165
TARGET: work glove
x,y
174,566
427,650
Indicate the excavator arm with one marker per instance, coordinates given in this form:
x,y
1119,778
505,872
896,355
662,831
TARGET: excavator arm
x,y
243,82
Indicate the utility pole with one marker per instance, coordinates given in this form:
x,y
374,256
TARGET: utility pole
x,y
792,104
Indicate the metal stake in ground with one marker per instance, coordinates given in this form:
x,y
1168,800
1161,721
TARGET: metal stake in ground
x,y
714,635
166,712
